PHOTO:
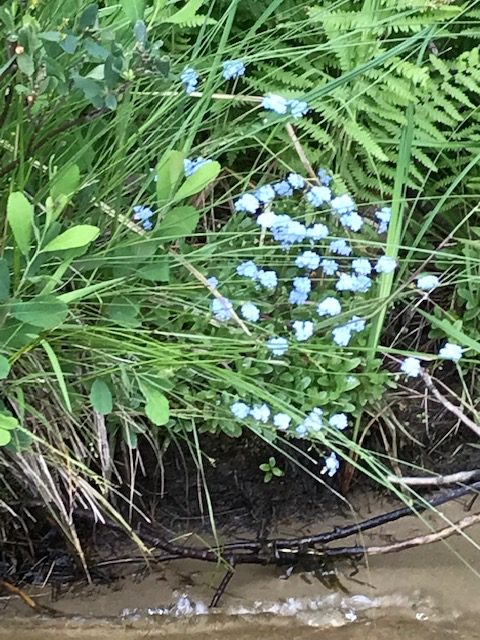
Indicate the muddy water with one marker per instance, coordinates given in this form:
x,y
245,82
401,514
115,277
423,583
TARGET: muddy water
x,y
428,592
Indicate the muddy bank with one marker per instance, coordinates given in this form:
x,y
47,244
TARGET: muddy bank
x,y
441,578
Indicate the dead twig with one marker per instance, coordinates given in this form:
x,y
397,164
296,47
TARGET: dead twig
x,y
438,481
473,426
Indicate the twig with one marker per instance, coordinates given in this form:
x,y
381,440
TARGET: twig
x,y
449,405
222,586
28,600
416,541
414,481
301,153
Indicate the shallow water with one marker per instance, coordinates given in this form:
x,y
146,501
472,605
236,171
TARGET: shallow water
x,y
423,593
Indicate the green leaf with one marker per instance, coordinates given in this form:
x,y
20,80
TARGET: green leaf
x,y
140,32
73,238
4,281
66,182
44,312
156,405
50,36
25,64
91,88
178,223
20,219
157,271
5,437
198,180
101,397
124,311
69,44
169,171
7,424
186,13
4,367
88,17
133,9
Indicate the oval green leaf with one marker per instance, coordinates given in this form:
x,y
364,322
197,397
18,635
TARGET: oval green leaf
x,y
199,180
4,367
101,397
20,219
44,312
178,223
156,405
73,238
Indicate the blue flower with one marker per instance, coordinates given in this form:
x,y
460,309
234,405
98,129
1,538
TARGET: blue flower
x,y
298,108
353,283
281,421
302,284
451,352
233,69
265,194
317,196
324,177
301,430
212,282
287,231
240,410
303,329
341,247
247,203
283,189
338,421
314,420
342,205
317,232
332,465
362,266
266,219
383,216
260,412
352,221
385,264
273,102
190,165
222,309
342,335
250,312
411,367
329,266
356,324
329,307
142,214
278,346
296,180
190,78
308,260
267,279
297,297
248,269
427,283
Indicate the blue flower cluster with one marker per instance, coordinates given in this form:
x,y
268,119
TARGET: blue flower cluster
x,y
282,106
143,215
233,69
190,79
313,423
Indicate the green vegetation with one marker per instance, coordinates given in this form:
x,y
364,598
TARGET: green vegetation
x,y
110,236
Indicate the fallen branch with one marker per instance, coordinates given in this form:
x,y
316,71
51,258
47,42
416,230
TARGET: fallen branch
x,y
430,481
410,543
28,600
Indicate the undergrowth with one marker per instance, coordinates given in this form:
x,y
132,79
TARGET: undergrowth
x,y
112,330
